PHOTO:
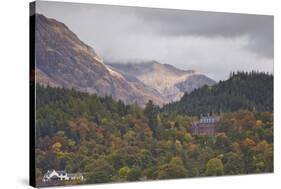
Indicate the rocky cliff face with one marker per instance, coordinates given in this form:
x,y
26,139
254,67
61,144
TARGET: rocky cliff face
x,y
63,60
169,81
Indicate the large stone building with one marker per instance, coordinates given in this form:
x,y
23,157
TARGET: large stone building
x,y
205,126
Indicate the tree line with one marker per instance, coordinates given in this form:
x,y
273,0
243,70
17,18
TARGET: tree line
x,y
242,90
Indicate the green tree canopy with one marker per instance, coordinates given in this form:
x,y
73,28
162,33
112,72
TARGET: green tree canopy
x,y
214,167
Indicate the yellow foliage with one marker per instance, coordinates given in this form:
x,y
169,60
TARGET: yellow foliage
x,y
248,142
177,161
262,146
258,123
71,142
187,137
235,147
178,142
56,147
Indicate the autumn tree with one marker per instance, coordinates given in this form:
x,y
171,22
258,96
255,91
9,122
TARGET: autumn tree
x,y
214,167
222,143
233,163
123,172
134,174
99,171
174,169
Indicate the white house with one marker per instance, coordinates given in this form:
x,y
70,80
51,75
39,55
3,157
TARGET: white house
x,y
54,175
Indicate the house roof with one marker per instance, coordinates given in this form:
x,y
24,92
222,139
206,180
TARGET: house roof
x,y
50,172
47,174
55,176
61,172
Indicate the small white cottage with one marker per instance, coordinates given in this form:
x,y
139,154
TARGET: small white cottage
x,y
54,175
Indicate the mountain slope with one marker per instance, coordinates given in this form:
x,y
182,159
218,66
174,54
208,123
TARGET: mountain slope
x,y
195,81
63,60
241,91
171,82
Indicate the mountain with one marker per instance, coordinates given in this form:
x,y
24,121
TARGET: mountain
x,y
63,60
242,90
169,81
193,82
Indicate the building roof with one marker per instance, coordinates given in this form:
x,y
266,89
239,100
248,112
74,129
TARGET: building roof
x,y
48,173
206,120
61,172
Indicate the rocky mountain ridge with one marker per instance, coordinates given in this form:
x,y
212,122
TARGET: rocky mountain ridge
x,y
63,60
171,82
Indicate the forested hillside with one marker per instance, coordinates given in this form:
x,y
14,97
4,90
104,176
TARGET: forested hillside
x,y
243,90
109,141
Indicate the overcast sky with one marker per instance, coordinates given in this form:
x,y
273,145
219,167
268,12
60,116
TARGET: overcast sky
x,y
211,43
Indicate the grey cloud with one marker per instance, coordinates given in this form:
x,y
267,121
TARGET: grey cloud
x,y
213,24
213,43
